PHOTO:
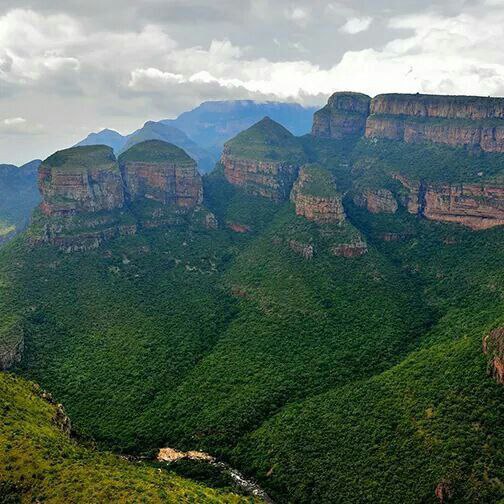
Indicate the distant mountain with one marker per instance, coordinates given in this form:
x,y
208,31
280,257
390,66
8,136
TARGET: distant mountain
x,y
152,131
18,196
106,137
212,123
159,131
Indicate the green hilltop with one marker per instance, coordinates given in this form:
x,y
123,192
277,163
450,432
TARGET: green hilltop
x,y
151,151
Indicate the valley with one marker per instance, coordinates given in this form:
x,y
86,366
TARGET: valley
x,y
322,312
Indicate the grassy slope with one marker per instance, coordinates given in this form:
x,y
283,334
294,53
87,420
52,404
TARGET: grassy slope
x,y
38,462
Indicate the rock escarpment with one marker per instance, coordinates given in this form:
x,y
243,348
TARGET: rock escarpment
x,y
344,116
493,347
376,201
88,195
477,206
263,160
160,172
81,179
315,197
457,121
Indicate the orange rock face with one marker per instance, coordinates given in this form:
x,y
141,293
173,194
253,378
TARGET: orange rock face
x,y
493,346
457,121
320,209
270,179
472,205
344,116
165,182
70,192
377,201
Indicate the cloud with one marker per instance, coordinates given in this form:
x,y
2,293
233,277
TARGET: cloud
x,y
18,126
356,25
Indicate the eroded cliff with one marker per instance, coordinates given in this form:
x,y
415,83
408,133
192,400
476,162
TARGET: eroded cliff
x,y
344,116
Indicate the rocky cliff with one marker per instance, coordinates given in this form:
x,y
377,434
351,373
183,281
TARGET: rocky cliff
x,y
263,160
493,347
344,116
161,172
315,197
478,206
457,121
88,195
80,179
376,201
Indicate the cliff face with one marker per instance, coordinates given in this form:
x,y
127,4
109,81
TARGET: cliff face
x,y
263,160
315,198
493,347
377,201
478,206
344,116
82,179
87,193
272,180
457,121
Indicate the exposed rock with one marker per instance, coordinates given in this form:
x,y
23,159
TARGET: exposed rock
x,y
478,206
80,179
172,455
11,346
210,221
344,116
353,249
315,197
443,492
238,228
61,420
305,250
377,201
87,195
161,172
493,347
263,160
457,121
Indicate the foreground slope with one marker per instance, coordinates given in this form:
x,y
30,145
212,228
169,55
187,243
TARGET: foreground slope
x,y
39,461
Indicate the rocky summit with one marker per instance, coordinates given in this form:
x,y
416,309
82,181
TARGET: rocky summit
x,y
87,194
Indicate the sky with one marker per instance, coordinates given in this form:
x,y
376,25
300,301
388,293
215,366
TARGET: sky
x,y
69,67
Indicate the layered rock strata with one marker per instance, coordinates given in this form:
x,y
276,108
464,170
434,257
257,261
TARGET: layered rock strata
x,y
477,206
344,116
315,197
377,201
87,194
263,160
457,121
493,347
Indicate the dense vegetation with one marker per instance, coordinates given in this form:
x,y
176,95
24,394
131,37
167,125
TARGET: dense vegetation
x,y
83,158
331,380
155,150
39,462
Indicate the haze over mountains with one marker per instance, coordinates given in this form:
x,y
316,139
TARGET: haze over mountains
x,y
323,312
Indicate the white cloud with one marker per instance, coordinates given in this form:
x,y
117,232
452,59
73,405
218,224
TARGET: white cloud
x,y
18,126
13,121
356,25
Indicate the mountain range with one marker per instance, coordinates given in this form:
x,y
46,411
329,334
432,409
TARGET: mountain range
x,y
324,313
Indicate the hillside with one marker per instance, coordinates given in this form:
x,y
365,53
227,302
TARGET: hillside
x,y
39,461
324,312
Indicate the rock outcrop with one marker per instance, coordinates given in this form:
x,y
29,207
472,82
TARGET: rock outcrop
x,y
305,250
315,196
477,206
263,160
355,248
493,347
457,121
376,201
343,117
80,179
161,172
88,195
